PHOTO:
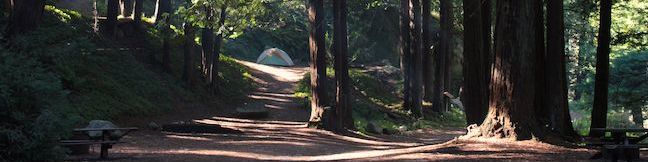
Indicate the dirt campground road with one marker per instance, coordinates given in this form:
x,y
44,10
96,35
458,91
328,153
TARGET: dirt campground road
x,y
283,136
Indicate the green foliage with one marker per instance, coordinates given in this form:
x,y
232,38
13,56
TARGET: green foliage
x,y
373,88
234,78
629,80
32,102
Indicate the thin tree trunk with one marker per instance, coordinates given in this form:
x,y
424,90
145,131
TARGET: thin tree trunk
x,y
438,102
601,80
405,52
512,93
165,7
428,69
473,88
111,18
342,105
217,48
207,42
556,81
126,7
139,8
417,57
449,54
188,70
318,61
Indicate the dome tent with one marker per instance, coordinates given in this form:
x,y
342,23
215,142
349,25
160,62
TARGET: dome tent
x,y
275,56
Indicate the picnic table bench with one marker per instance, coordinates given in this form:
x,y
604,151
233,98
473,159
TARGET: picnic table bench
x,y
106,140
619,144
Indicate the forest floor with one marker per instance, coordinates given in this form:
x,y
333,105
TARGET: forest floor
x,y
283,135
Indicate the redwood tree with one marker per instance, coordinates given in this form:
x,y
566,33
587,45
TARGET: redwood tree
x,y
416,51
511,103
342,106
318,61
217,48
438,102
139,8
474,88
556,72
24,16
405,53
428,69
165,7
189,44
600,107
111,17
542,113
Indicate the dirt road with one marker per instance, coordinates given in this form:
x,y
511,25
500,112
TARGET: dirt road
x,y
283,136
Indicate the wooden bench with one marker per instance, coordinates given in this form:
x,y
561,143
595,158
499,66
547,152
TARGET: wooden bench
x,y
620,145
106,140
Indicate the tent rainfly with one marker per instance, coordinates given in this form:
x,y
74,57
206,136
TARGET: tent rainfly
x,y
275,56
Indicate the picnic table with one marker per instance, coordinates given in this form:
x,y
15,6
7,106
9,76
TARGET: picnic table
x,y
106,140
619,144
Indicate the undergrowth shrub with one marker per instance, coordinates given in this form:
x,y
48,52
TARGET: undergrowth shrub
x,y
32,110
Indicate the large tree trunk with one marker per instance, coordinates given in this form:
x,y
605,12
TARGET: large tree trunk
x,y
188,70
474,88
600,107
438,102
318,61
428,69
111,18
556,76
487,11
24,16
512,93
417,57
217,48
342,106
405,53
542,113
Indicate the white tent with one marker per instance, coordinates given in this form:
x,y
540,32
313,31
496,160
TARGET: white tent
x,y
275,56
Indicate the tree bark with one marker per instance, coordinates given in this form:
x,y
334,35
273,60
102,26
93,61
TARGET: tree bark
x,y
207,42
188,75
111,18
165,7
417,57
428,69
542,113
556,76
139,8
486,14
601,80
217,48
342,106
438,102
405,52
24,16
126,7
449,52
474,88
511,104
318,61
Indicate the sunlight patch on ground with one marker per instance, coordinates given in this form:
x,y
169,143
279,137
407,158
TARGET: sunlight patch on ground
x,y
278,73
